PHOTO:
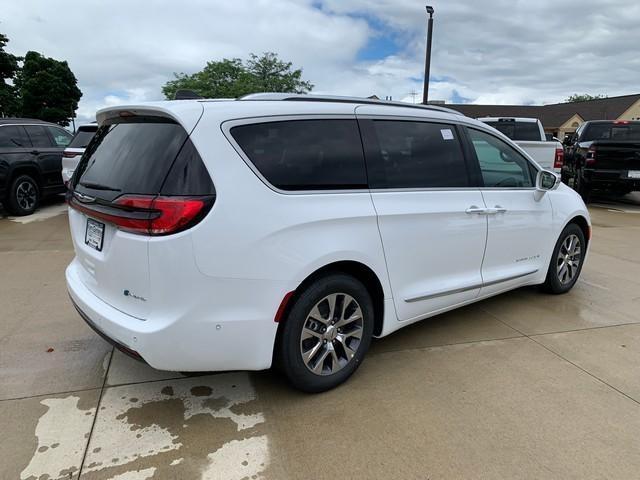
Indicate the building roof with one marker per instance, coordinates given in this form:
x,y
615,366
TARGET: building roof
x,y
556,114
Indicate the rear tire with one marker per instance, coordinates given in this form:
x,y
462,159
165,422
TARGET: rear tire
x,y
566,261
24,196
327,333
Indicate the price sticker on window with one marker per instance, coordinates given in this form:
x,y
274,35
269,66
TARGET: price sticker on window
x,y
447,134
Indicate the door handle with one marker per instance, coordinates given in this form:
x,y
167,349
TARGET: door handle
x,y
35,152
499,209
474,209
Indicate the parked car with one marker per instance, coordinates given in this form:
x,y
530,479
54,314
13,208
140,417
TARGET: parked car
x,y
603,155
528,133
294,228
30,162
72,154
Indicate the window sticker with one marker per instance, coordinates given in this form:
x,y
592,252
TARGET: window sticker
x,y
447,134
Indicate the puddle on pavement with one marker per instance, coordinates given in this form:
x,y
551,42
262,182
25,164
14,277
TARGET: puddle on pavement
x,y
195,428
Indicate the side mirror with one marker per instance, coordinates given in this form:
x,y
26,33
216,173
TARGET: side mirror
x,y
546,180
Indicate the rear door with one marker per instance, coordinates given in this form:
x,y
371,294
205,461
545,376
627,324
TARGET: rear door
x,y
128,156
422,193
519,237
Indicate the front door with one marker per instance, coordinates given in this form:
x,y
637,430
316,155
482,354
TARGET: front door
x,y
520,235
421,189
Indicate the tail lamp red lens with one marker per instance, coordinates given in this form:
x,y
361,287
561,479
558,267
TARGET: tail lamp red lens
x,y
70,154
148,214
559,158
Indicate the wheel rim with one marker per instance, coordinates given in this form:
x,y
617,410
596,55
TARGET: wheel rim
x,y
331,334
568,260
26,195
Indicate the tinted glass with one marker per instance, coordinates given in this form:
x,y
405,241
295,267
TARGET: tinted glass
x,y
13,136
60,136
611,131
418,155
305,154
39,136
525,131
188,175
129,157
82,138
500,164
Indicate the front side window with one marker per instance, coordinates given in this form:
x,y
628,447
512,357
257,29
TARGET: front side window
x,y
39,136
500,164
305,154
13,136
410,154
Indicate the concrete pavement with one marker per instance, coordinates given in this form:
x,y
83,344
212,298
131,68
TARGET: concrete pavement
x,y
523,385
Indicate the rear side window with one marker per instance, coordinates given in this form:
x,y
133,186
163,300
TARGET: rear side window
x,y
305,154
61,137
82,138
39,136
523,131
13,136
130,157
408,154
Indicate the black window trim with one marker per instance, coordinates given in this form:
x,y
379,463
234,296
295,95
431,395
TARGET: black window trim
x,y
227,125
366,123
474,158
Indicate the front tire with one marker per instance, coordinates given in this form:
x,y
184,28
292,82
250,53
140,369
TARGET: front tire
x,y
566,261
24,196
327,333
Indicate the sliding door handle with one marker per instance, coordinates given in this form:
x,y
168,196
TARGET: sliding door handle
x,y
499,209
473,209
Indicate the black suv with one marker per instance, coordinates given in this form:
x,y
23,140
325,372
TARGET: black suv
x,y
30,162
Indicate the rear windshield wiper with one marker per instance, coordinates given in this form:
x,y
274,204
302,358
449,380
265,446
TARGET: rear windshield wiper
x,y
97,186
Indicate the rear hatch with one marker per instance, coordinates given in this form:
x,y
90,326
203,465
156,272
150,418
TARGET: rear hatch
x,y
140,177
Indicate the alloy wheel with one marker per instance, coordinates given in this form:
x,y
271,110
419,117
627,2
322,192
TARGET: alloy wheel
x,y
331,334
568,259
26,195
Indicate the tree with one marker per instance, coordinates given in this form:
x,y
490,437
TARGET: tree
x,y
231,78
9,104
584,97
48,89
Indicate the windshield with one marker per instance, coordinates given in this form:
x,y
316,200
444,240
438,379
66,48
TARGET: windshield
x,y
612,131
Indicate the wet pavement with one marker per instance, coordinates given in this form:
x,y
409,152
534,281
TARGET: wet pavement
x,y
524,385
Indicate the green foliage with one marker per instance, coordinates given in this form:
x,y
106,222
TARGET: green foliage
x,y
231,78
584,97
48,89
9,102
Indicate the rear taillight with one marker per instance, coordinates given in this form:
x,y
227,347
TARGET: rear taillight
x,y
559,158
591,156
148,214
70,154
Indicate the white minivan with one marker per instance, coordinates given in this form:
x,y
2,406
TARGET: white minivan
x,y
291,229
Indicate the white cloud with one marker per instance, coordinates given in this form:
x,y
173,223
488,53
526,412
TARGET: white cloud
x,y
497,51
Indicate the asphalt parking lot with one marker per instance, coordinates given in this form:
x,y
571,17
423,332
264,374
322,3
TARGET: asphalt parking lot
x,y
524,385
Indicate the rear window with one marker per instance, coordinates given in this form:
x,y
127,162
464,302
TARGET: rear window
x,y
305,154
139,156
611,131
82,138
523,131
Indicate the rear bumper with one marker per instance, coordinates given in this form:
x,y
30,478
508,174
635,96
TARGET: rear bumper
x,y
611,178
184,343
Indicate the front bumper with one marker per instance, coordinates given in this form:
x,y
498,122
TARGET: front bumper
x,y
187,343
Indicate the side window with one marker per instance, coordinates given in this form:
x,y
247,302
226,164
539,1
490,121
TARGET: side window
x,y
413,154
61,137
13,136
500,164
39,136
305,154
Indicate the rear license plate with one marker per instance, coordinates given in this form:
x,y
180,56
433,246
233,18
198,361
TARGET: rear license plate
x,y
633,174
94,234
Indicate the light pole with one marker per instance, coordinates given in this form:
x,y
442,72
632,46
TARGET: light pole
x,y
427,60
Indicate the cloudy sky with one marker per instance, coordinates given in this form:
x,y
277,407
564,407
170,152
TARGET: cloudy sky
x,y
494,51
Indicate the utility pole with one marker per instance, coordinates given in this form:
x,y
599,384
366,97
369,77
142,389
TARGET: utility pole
x,y
427,60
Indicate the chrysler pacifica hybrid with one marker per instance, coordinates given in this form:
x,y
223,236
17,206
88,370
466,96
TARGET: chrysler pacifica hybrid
x,y
290,230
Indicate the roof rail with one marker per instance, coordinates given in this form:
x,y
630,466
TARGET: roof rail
x,y
300,97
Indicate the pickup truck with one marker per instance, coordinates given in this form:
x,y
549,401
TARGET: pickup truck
x,y
528,134
603,155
